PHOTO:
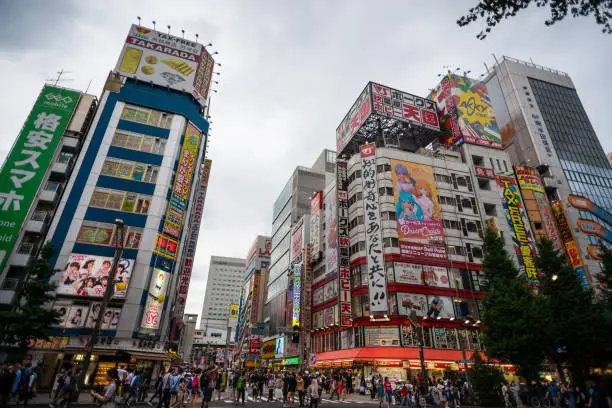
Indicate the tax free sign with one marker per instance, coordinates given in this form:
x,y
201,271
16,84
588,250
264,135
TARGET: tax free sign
x,y
25,167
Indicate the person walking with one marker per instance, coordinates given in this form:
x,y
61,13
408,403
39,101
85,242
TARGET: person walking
x,y
388,392
291,387
300,389
157,389
166,390
207,386
241,388
554,393
314,392
107,400
7,378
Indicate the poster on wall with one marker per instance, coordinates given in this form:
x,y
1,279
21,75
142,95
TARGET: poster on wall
x,y
435,276
377,280
331,233
411,274
440,306
522,238
417,212
87,275
407,302
382,336
155,299
63,313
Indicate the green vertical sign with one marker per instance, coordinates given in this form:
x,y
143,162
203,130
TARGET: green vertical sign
x,y
28,161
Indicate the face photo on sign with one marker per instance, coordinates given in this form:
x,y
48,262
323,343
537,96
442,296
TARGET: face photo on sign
x,y
62,314
94,312
76,316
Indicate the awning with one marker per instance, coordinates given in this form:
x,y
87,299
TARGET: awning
x,y
395,353
151,356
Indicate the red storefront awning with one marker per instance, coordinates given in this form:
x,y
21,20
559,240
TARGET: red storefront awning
x,y
395,353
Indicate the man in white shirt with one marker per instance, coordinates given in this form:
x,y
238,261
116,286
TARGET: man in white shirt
x,y
166,388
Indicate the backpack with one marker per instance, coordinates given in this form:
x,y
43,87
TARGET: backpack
x,y
190,383
204,380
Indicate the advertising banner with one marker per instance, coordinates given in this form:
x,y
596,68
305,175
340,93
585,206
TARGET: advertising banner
x,y
110,320
528,178
585,204
377,281
407,302
297,295
192,240
297,241
29,159
405,107
165,246
344,270
548,220
419,224
166,60
233,314
269,349
156,296
522,237
411,274
255,345
87,275
177,204
440,306
220,355
357,115
255,296
71,316
279,350
331,233
435,276
316,203
381,336
466,111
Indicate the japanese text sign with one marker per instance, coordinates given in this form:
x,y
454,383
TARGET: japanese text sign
x,y
377,281
484,172
29,159
344,271
353,120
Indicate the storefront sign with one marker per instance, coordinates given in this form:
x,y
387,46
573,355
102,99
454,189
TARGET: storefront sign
x,y
297,241
269,349
255,345
156,296
528,178
381,336
166,246
344,271
331,233
484,172
377,281
411,274
279,350
297,295
517,220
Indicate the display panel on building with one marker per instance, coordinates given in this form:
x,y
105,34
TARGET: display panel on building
x,y
466,112
331,233
571,246
344,270
522,237
417,212
177,205
297,242
404,107
357,115
316,204
163,59
87,275
156,296
29,159
583,203
408,302
166,246
382,336
377,280
297,295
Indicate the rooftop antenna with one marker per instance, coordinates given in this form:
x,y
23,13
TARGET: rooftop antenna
x,y
59,77
197,35
183,31
138,17
168,29
88,85
153,24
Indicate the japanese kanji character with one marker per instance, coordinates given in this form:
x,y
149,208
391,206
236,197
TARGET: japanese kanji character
x,y
38,139
47,121
25,176
31,160
11,199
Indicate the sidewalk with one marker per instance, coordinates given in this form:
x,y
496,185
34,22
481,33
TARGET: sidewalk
x,y
85,399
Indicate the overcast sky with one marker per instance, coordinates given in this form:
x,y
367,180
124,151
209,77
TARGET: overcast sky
x,y
290,71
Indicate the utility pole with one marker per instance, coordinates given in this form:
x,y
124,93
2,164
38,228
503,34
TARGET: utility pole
x,y
412,316
108,294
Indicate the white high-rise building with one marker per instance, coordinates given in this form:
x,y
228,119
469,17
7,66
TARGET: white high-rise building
x,y
225,278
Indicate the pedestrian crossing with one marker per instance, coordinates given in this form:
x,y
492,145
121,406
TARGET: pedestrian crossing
x,y
264,399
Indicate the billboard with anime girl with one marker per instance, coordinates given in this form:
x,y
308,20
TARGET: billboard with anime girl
x,y
417,212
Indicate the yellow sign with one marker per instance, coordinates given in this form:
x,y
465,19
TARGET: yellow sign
x,y
233,313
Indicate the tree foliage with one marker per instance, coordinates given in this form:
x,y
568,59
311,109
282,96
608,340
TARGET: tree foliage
x,y
514,317
31,318
605,277
494,11
486,381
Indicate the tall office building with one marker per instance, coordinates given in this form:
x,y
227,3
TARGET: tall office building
x,y
544,125
225,278
292,203
137,174
34,177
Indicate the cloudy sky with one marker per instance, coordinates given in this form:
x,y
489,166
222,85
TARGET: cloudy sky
x,y
290,71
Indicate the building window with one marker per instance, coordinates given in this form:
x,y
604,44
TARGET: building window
x,y
142,143
147,116
461,181
484,184
477,252
391,242
381,168
129,170
102,233
490,209
447,200
385,191
443,178
452,224
120,200
478,160
388,215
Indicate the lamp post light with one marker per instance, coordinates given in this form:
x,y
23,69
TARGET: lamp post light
x,y
108,294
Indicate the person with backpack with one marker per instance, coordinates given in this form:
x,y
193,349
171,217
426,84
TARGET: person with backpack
x,y
132,389
207,386
166,388
240,388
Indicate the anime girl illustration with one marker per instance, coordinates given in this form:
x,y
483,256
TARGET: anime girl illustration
x,y
423,198
407,208
405,182
435,307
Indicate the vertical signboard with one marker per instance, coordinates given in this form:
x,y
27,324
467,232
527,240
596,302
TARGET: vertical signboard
x,y
155,300
316,203
297,295
377,282
29,159
166,60
522,237
255,296
192,240
570,243
331,233
177,204
419,224
344,267
297,241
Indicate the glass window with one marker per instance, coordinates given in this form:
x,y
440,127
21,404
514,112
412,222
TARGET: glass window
x,y
129,170
135,141
147,116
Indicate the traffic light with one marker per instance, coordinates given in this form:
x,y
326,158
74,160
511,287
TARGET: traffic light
x,y
295,337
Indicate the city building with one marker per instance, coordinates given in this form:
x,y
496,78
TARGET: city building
x,y
396,242
52,137
251,327
223,286
186,345
132,190
545,126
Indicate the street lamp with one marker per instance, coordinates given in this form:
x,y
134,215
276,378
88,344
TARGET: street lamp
x,y
108,294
